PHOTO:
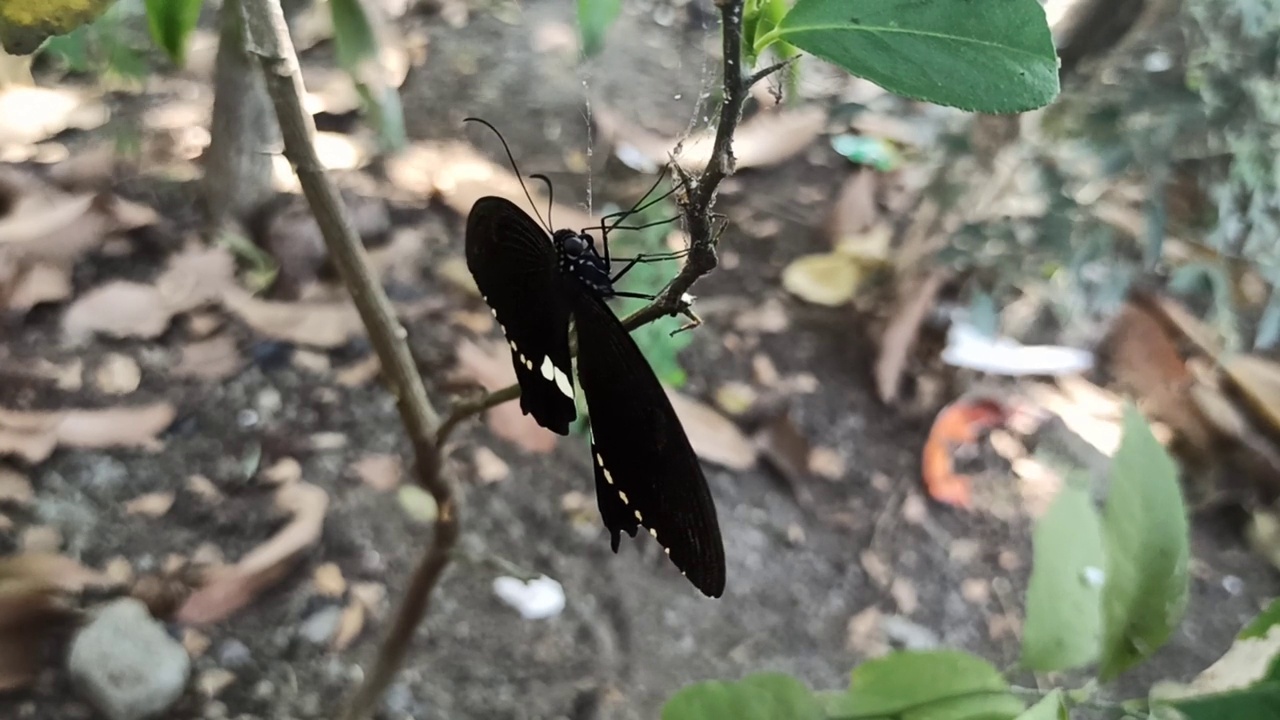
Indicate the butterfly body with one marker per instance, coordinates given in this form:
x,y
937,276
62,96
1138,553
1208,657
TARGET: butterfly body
x,y
646,472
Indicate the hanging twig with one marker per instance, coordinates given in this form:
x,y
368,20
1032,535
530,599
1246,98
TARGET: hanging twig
x,y
269,40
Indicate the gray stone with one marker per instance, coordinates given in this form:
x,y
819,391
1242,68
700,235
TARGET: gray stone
x,y
321,625
234,654
126,665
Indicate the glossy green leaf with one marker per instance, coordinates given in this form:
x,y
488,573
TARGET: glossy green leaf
x,y
930,685
1064,599
1050,707
595,17
1145,526
993,56
766,696
171,23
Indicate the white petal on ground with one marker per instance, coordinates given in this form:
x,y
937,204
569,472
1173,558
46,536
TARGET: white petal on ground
x,y
538,599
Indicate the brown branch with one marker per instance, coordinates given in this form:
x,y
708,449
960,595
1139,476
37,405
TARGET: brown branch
x,y
268,38
695,206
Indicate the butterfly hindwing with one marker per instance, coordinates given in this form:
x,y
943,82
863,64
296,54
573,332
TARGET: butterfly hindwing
x,y
515,267
646,471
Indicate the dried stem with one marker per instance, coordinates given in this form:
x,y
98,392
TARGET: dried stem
x,y
268,38
695,206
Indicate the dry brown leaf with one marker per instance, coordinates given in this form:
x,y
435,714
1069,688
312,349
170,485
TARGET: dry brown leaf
x,y
826,463
854,210
359,373
785,449
489,467
903,329
118,374
40,282
203,488
34,594
714,437
767,138
350,624
154,504
1258,379
230,588
460,175
490,366
326,325
829,279
32,435
216,358
382,472
30,114
40,539
120,308
327,580
15,488
195,277
284,471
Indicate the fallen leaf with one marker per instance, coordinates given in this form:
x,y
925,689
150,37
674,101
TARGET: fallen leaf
x,y
327,580
38,539
735,398
373,595
767,138
283,472
957,424
203,488
215,358
320,324
854,210
900,335
360,372
968,347
829,279
826,463
213,681
349,626
118,374
875,567
767,317
1258,379
15,488
33,435
40,282
782,445
196,277
864,635
230,588
714,437
381,472
30,114
905,595
120,308
489,467
154,504
490,366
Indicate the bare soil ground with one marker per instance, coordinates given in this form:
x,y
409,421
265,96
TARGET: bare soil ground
x,y
633,631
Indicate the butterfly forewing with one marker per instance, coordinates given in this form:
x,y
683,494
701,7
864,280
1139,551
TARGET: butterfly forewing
x,y
646,471
516,269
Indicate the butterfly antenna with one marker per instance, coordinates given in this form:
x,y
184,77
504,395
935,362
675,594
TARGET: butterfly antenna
x,y
551,193
638,207
516,169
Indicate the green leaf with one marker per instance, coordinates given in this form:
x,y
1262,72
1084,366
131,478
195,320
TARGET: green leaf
x,y
1050,707
594,19
171,23
1256,702
357,45
1262,624
1064,612
930,685
992,56
1145,526
765,696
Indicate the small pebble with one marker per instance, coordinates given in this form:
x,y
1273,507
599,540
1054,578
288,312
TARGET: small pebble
x,y
233,654
126,664
320,626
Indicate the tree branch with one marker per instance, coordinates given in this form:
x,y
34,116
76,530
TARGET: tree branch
x,y
268,38
695,205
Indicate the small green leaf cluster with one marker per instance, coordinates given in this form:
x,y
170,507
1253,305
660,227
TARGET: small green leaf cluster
x,y
1107,589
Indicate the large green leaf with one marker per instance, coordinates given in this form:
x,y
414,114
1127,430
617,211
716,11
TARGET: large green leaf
x,y
171,23
931,685
993,56
1064,610
1050,707
1145,525
1261,625
594,20
766,696
1257,702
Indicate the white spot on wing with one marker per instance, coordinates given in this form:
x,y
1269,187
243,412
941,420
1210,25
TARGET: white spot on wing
x,y
564,383
638,518
607,476
548,370
654,533
623,495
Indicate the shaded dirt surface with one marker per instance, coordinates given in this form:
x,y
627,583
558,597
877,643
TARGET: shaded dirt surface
x,y
633,631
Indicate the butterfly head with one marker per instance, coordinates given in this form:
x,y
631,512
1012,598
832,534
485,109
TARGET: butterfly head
x,y
579,258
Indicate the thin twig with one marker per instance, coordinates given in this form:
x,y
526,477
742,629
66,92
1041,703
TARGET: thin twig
x,y
695,206
268,38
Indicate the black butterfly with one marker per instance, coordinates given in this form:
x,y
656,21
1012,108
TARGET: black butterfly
x,y
646,471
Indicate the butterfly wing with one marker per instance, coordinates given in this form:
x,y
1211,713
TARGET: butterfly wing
x,y
515,265
646,472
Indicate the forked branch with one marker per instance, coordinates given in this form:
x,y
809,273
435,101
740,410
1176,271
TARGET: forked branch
x,y
695,205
